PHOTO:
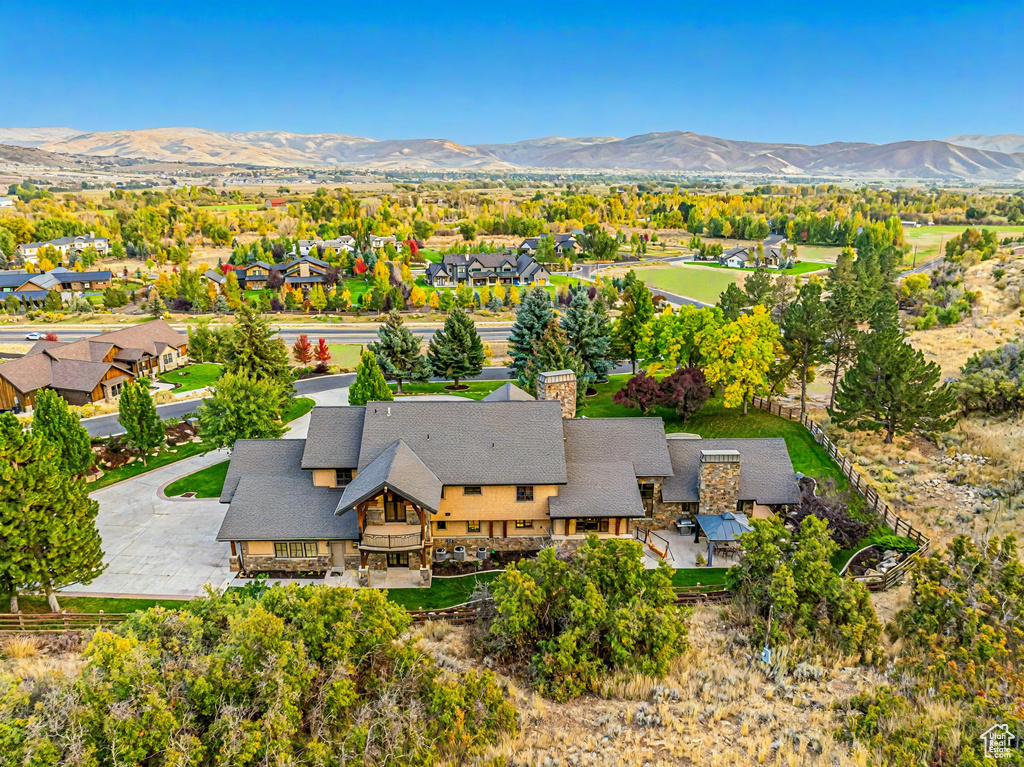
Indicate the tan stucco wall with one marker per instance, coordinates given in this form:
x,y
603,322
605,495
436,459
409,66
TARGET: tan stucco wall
x,y
495,502
325,477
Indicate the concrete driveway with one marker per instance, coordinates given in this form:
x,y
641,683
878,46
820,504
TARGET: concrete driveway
x,y
155,547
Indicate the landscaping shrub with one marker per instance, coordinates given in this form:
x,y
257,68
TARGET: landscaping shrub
x,y
297,675
573,621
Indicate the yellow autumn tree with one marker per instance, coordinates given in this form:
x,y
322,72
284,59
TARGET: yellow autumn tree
x,y
739,356
435,300
417,297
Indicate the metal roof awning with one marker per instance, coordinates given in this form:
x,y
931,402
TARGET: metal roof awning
x,y
723,527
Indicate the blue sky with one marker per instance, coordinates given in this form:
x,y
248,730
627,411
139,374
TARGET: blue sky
x,y
808,72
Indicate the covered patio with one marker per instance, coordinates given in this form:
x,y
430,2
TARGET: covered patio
x,y
722,532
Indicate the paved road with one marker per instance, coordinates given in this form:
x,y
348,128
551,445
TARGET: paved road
x,y
107,425
927,266
361,334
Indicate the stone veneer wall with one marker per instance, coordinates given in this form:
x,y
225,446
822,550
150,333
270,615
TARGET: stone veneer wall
x,y
255,563
718,486
559,385
516,543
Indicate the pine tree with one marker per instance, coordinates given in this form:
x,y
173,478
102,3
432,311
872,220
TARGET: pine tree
x,y
241,407
840,332
220,305
732,302
157,307
803,332
758,287
369,385
256,350
48,536
552,352
456,351
891,387
143,429
56,426
637,311
531,319
398,352
586,328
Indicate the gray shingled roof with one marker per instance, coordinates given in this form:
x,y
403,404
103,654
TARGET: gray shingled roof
x,y
598,490
263,457
481,443
640,441
507,392
332,441
766,472
398,468
268,508
272,498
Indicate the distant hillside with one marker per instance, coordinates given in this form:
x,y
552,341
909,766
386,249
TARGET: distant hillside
x,y
1006,142
668,151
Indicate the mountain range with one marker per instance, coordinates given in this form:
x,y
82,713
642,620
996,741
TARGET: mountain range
x,y
981,158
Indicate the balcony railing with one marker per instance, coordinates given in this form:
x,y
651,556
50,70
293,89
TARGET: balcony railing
x,y
401,541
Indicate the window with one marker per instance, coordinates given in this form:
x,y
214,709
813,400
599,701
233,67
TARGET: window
x,y
524,493
473,527
472,490
647,497
295,550
115,390
394,511
168,359
342,477
442,524
398,560
591,525
524,524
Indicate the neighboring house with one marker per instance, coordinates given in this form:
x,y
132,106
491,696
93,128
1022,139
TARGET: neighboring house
x,y
746,257
6,202
59,278
911,224
565,244
376,243
303,272
275,202
480,269
391,484
93,368
30,250
774,241
316,247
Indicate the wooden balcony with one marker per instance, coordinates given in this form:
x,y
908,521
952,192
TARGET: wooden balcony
x,y
391,537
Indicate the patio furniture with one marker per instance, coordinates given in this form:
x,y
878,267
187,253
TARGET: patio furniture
x,y
721,530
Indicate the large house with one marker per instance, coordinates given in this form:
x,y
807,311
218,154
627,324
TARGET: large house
x,y
91,369
747,256
76,244
58,278
564,244
402,484
301,273
316,247
479,269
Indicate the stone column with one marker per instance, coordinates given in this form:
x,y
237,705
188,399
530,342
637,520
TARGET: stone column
x,y
559,385
718,483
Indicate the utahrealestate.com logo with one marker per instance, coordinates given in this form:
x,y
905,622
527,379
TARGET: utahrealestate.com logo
x,y
998,741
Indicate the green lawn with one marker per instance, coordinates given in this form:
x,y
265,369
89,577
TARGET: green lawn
x,y
136,468
715,420
477,389
443,592
205,483
192,377
345,356
927,239
433,256
297,408
802,267
700,576
35,604
693,282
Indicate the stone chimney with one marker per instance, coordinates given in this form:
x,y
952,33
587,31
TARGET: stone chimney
x,y
559,385
718,481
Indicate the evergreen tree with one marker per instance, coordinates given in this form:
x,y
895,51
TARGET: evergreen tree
x,y
369,385
143,429
758,287
48,536
732,302
840,332
398,352
637,311
891,386
52,302
256,350
456,351
241,407
803,332
586,329
157,307
56,426
531,319
220,305
552,352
